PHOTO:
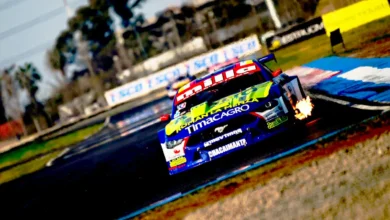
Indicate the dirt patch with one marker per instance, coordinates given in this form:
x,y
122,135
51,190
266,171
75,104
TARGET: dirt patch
x,y
376,48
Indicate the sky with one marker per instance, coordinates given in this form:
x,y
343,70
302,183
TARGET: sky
x,y
28,28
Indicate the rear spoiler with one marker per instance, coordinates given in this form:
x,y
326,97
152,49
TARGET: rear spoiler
x,y
266,59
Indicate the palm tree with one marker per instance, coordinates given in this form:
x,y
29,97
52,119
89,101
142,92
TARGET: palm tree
x,y
28,77
56,62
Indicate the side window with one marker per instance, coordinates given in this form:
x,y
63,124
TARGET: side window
x,y
270,67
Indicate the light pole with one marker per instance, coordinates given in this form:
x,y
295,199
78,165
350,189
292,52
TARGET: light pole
x,y
69,11
274,15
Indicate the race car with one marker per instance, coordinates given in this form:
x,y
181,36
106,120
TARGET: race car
x,y
227,110
177,83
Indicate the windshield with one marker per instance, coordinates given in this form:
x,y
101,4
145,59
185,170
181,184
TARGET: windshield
x,y
217,92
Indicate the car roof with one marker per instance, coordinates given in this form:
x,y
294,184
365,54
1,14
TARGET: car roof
x,y
216,72
222,69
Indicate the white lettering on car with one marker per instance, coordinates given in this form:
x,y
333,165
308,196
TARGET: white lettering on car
x,y
214,80
217,139
228,147
216,117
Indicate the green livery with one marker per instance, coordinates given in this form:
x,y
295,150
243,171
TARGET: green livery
x,y
198,112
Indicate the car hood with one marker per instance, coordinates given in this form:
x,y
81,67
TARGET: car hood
x,y
207,114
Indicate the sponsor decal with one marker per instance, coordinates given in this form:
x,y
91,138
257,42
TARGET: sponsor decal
x,y
176,151
231,110
296,34
196,126
277,122
228,147
176,167
178,161
181,106
204,110
355,15
220,129
215,80
229,134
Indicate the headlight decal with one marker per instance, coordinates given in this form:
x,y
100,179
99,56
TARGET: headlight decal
x,y
174,143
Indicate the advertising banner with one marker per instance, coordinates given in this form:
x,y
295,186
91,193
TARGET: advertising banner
x,y
192,66
296,34
355,15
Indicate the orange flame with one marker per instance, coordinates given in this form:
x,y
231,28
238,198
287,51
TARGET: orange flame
x,y
303,108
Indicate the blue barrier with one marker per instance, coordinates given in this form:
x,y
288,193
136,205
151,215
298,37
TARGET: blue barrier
x,y
365,80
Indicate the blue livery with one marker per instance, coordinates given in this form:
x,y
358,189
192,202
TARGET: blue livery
x,y
227,110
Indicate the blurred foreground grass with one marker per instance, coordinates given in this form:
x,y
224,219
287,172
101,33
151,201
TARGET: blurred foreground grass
x,y
318,47
42,151
26,168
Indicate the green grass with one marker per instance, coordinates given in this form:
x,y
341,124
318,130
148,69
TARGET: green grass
x,y
34,149
318,47
27,168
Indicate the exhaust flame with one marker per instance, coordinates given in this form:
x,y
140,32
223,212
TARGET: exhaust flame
x,y
303,108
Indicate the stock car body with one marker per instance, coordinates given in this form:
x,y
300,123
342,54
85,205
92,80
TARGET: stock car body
x,y
224,111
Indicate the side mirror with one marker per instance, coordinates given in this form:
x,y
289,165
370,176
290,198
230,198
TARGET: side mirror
x,y
277,72
165,117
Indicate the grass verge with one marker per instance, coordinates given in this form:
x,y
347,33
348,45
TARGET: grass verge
x,y
48,149
26,168
318,47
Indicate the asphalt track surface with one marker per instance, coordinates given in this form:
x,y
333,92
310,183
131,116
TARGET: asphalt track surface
x,y
129,173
